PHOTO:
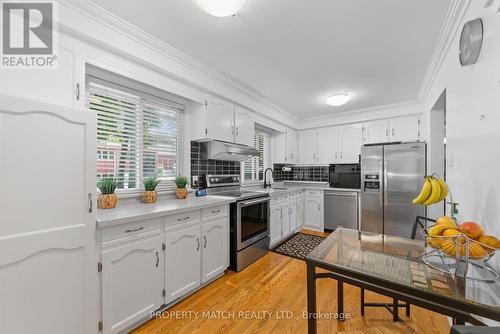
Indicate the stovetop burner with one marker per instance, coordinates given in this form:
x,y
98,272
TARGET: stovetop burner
x,y
229,186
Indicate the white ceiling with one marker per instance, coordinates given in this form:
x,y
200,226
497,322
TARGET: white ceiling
x,y
297,52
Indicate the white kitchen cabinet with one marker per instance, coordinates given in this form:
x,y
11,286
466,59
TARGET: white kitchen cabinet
x,y
285,222
308,147
182,260
293,212
215,253
275,225
244,127
404,129
300,210
313,212
219,119
350,140
132,282
285,147
292,148
327,145
376,132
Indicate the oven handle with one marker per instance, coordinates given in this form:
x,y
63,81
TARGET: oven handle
x,y
255,202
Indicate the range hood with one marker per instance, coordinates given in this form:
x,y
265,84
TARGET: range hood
x,y
220,150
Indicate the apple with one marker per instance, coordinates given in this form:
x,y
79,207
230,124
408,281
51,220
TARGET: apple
x,y
471,229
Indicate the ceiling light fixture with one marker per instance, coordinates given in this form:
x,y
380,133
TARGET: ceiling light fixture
x,y
338,100
221,8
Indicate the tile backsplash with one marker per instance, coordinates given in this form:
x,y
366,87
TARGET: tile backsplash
x,y
201,167
301,173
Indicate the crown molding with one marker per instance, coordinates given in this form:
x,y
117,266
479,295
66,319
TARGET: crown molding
x,y
449,30
111,21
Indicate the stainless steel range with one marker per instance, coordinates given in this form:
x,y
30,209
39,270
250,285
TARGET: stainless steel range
x,y
249,223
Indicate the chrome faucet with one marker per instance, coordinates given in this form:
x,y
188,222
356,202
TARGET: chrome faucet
x,y
265,177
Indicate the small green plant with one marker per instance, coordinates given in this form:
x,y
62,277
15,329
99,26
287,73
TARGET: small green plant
x,y
107,185
150,183
181,181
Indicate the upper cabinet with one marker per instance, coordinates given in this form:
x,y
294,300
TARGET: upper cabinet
x,y
402,129
327,145
308,147
285,147
218,119
350,141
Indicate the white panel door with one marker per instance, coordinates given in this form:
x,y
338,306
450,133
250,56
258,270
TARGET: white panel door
x,y
376,132
48,251
215,252
300,212
220,120
285,222
405,129
308,141
328,145
132,283
182,260
293,215
312,212
279,148
275,226
350,142
244,126
292,148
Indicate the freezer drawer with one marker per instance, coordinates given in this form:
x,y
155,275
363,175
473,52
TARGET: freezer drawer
x,y
341,210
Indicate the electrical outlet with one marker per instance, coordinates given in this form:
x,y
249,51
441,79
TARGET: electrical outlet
x,y
451,160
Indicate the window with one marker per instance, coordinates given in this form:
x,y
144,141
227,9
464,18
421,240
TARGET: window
x,y
138,135
253,169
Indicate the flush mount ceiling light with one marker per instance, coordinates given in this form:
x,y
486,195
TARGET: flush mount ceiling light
x,y
221,8
338,100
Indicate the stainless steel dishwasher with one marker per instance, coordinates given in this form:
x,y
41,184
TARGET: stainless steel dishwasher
x,y
341,209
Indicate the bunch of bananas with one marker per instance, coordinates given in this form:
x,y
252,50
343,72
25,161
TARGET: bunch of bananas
x,y
433,191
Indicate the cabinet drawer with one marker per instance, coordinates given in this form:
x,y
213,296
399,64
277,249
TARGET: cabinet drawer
x,y
220,210
313,192
130,229
183,218
276,200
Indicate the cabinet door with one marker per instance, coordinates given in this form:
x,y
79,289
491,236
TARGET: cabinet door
x,y
376,132
215,248
132,283
285,222
220,120
244,126
292,151
182,261
312,209
328,145
405,128
307,147
293,215
350,142
300,212
279,148
275,226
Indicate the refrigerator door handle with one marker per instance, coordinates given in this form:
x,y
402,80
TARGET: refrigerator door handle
x,y
385,183
381,190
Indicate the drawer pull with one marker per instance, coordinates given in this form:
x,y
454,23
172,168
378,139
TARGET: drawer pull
x,y
215,211
157,259
198,244
182,219
135,230
205,239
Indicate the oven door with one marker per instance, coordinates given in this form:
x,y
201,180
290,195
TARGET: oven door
x,y
253,221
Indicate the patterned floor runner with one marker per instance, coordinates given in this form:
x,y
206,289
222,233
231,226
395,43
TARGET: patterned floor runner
x,y
298,245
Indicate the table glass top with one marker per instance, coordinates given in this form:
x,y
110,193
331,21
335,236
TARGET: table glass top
x,y
400,262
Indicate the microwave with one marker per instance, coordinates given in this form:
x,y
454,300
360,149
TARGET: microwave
x,y
345,176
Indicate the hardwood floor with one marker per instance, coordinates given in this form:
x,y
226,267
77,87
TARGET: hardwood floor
x,y
274,289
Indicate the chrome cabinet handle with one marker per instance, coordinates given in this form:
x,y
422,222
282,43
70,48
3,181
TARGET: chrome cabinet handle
x,y
157,259
387,132
237,131
341,155
232,130
77,92
182,219
198,244
215,211
90,203
205,239
135,230
319,209
393,131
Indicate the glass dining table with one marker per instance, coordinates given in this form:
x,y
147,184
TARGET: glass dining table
x,y
394,267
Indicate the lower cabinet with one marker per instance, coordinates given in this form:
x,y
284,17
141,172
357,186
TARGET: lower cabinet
x,y
132,282
285,221
275,225
300,210
293,212
287,215
215,252
182,260
313,212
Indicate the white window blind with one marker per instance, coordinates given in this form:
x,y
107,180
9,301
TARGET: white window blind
x,y
137,136
253,169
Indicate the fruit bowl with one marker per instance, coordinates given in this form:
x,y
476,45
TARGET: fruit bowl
x,y
451,242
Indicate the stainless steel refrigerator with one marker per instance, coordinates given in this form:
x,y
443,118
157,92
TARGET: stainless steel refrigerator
x,y
392,176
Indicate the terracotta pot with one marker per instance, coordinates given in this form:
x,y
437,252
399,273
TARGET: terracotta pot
x,y
150,196
108,201
181,193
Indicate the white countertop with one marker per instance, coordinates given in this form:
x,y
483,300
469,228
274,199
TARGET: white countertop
x,y
289,186
135,210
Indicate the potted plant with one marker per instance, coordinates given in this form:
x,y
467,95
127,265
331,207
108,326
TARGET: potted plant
x,y
181,182
150,195
107,199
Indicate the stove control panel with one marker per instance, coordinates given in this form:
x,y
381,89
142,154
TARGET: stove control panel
x,y
222,180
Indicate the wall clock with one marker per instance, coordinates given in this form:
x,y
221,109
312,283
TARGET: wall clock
x,y
471,41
